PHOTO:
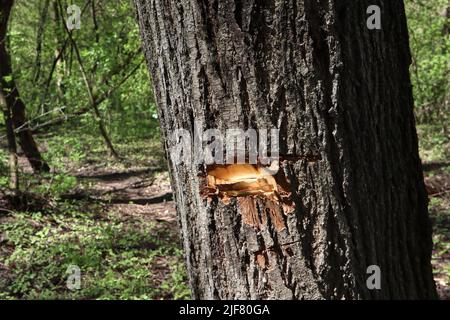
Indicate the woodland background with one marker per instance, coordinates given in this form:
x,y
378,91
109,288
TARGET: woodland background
x,y
110,212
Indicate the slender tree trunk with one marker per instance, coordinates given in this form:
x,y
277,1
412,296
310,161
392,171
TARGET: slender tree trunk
x,y
336,90
96,32
12,97
92,97
39,40
12,146
60,47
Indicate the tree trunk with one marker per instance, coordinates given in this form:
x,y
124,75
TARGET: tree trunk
x,y
12,97
12,145
39,41
341,98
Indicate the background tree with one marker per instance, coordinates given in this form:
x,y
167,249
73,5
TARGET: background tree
x,y
110,57
334,88
11,97
430,53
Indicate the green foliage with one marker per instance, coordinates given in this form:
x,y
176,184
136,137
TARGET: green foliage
x,y
65,149
430,47
57,184
4,170
119,257
177,281
115,258
110,51
433,143
439,209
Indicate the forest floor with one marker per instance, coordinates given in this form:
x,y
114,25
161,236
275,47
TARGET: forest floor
x,y
438,186
116,222
434,147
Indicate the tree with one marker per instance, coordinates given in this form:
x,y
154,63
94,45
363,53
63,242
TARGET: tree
x,y
10,96
350,198
12,145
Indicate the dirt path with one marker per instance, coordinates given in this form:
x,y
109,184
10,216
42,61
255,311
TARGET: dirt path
x,y
137,191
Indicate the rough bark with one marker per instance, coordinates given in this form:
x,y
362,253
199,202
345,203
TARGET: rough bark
x,y
334,88
12,96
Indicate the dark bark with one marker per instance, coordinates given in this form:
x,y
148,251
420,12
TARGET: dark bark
x,y
39,41
334,88
12,145
12,96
